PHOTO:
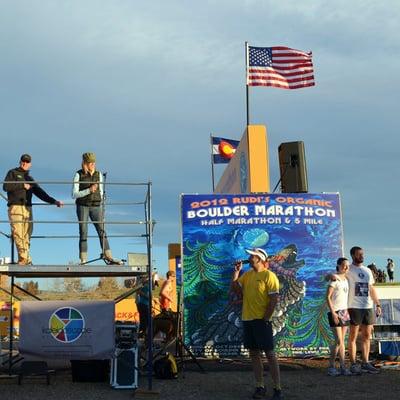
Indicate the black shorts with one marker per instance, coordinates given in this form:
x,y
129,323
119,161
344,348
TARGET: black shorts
x,y
257,335
341,322
362,316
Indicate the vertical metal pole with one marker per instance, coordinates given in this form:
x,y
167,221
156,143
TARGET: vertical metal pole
x,y
181,321
212,163
149,229
11,326
12,250
103,213
247,83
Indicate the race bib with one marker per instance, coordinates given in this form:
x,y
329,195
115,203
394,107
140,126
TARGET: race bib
x,y
361,289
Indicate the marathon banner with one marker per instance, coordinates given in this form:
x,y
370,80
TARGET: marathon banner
x,y
72,330
302,234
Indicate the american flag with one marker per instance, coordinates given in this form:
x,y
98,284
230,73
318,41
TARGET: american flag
x,y
280,67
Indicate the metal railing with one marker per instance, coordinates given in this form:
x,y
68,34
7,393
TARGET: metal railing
x,y
145,224
145,202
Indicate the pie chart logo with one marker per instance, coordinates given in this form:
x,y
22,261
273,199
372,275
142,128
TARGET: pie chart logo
x,y
66,324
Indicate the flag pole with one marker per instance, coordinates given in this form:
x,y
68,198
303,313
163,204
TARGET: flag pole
x,y
212,163
247,83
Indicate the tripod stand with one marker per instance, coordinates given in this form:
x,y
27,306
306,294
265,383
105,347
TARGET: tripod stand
x,y
181,349
180,346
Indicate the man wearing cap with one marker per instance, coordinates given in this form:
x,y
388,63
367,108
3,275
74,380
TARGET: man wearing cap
x,y
20,186
260,290
88,194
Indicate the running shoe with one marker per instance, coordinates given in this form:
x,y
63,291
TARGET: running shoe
x,y
113,261
369,368
259,393
25,262
355,369
345,371
332,371
277,395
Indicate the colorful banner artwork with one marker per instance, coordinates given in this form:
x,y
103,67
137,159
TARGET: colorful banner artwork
x,y
302,233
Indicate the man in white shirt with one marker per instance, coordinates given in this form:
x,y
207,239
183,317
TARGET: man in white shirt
x,y
362,297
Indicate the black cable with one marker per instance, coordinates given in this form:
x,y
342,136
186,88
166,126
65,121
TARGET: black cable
x,y
282,176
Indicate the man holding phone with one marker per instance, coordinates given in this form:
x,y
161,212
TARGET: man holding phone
x,y
260,290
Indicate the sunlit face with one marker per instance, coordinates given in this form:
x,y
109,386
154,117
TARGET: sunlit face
x,y
344,267
254,260
91,166
171,277
358,256
25,165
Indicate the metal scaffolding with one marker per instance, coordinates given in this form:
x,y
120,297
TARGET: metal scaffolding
x,y
143,230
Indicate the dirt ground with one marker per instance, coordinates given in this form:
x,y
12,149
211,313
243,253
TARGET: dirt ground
x,y
226,379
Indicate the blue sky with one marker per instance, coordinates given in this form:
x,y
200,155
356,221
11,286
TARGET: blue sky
x,y
144,84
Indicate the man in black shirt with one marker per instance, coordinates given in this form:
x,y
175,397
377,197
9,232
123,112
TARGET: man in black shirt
x,y
20,187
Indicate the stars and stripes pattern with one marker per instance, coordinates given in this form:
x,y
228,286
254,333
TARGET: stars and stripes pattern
x,y
280,67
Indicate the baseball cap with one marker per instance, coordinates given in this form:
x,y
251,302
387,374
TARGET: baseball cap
x,y
258,252
26,158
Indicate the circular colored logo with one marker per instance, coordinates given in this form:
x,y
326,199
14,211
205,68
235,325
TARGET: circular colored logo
x,y
66,324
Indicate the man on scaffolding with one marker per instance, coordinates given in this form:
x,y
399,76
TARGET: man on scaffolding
x,y
20,186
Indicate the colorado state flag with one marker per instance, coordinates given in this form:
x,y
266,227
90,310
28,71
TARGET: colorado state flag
x,y
223,149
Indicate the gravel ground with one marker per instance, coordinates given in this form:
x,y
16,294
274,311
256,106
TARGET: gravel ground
x,y
300,379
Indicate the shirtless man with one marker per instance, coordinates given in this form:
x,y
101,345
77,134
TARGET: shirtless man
x,y
166,292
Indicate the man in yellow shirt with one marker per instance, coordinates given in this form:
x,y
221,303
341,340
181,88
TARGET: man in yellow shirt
x,y
260,290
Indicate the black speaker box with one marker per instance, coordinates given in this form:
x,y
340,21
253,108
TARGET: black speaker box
x,y
124,369
292,166
90,370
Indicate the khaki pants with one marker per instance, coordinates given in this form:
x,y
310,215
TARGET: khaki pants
x,y
21,230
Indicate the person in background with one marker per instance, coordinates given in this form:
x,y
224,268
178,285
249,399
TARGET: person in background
x,y
381,276
88,194
155,278
390,269
260,290
338,316
20,187
374,270
142,304
166,292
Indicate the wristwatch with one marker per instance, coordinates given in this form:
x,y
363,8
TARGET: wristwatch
x,y
378,305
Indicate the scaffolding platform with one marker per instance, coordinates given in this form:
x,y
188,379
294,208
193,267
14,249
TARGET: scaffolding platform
x,y
62,271
138,226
